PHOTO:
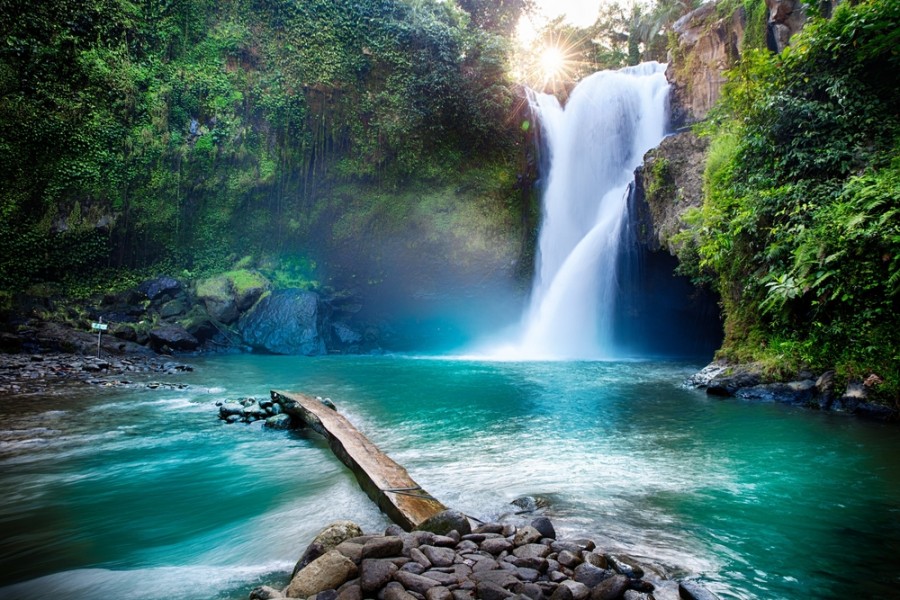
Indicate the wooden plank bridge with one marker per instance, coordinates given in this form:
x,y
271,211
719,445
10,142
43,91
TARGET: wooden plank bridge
x,y
384,481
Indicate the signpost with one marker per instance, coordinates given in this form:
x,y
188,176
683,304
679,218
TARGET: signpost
x,y
99,328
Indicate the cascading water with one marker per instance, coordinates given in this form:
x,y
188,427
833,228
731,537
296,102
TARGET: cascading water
x,y
595,143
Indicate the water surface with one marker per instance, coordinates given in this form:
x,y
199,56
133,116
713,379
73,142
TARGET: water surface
x,y
141,493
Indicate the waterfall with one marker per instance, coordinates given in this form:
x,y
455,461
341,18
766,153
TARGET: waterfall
x,y
595,143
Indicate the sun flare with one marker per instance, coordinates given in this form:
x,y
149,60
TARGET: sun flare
x,y
553,62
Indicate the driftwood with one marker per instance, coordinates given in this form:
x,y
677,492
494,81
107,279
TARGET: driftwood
x,y
386,483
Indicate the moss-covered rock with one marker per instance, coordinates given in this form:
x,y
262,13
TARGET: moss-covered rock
x,y
226,295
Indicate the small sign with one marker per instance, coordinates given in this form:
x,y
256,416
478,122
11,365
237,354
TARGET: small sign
x,y
99,326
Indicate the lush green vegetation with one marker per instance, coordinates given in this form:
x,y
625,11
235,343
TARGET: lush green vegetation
x,y
182,135
800,231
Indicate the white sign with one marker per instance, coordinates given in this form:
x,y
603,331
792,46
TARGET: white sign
x,y
99,326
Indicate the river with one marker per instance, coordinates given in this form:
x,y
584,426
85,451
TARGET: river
x,y
144,494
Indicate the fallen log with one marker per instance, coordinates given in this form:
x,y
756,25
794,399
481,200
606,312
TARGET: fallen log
x,y
384,481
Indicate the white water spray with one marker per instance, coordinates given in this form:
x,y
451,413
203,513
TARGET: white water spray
x,y
611,119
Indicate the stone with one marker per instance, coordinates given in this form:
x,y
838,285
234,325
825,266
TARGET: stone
x,y
439,557
635,595
284,322
463,595
626,565
327,539
496,545
154,288
568,559
326,595
441,577
413,567
526,574
415,583
265,592
527,535
438,593
532,551
172,308
532,562
230,408
350,591
562,593
491,591
610,589
492,528
281,421
174,337
395,591
691,590
545,527
590,575
598,560
579,590
504,579
533,591
329,571
374,573
382,547
417,555
466,546
446,521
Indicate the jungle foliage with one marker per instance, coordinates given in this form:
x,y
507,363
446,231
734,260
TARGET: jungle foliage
x,y
172,135
800,230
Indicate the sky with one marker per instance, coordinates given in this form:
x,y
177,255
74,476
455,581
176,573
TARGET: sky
x,y
578,12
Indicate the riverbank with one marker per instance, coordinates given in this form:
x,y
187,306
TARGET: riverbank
x,y
59,372
818,392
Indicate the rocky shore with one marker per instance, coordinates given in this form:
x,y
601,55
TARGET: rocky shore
x,y
819,392
493,561
54,371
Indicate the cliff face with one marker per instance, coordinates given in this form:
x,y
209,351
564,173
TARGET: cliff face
x,y
669,182
708,44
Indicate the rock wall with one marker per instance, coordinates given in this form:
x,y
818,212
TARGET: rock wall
x,y
669,182
786,17
708,44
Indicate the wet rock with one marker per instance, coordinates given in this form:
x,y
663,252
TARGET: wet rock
x,y
626,565
590,575
174,337
153,289
280,422
327,539
395,591
284,322
691,590
265,592
579,591
532,551
439,593
446,521
329,571
610,589
545,527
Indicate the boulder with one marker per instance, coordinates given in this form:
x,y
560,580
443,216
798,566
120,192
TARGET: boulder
x,y
284,322
610,589
327,539
327,572
374,573
175,337
544,527
281,421
216,295
691,590
446,521
155,288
